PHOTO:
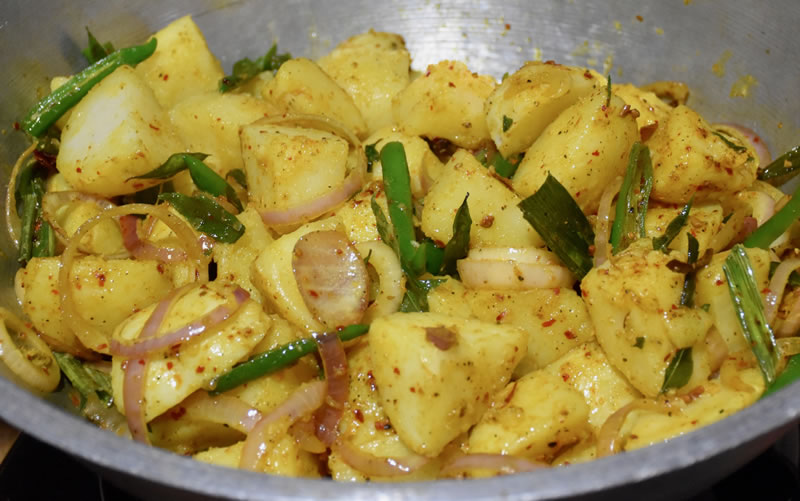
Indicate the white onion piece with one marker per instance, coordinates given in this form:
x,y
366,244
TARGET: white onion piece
x,y
332,278
313,208
53,201
762,204
301,403
377,466
12,218
391,280
141,249
510,268
764,156
603,226
788,346
352,182
777,284
222,409
334,361
75,322
499,462
791,325
26,355
608,438
134,370
208,321
729,376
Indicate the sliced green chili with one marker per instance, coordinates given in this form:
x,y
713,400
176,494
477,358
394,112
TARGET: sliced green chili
x,y
53,106
776,225
458,246
85,379
790,374
634,196
276,359
782,168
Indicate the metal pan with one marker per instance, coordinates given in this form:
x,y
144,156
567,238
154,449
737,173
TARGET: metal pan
x,y
643,41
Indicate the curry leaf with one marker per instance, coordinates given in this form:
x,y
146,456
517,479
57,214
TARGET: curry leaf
x,y
679,370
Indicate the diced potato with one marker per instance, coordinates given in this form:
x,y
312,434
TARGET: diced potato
x,y
446,102
585,149
652,110
371,67
690,159
172,375
527,101
496,219
555,320
283,457
117,131
583,451
534,417
366,426
717,401
287,166
633,303
104,238
300,86
174,431
182,65
436,373
712,289
357,217
423,166
605,390
209,123
273,275
106,292
235,261
703,223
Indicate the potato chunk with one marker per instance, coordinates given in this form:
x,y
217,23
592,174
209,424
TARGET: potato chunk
x,y
690,159
300,86
447,102
534,417
285,456
633,302
704,222
527,101
496,219
585,148
105,291
117,131
288,166
173,374
182,65
371,67
209,123
436,373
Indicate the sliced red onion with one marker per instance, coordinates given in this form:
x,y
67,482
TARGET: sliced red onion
x,y
332,278
375,466
311,209
764,156
509,268
133,396
500,462
222,409
334,361
301,403
141,249
608,438
185,333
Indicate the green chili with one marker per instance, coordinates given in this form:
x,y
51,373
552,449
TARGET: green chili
x,y
276,359
790,374
458,246
634,196
94,50
776,225
53,106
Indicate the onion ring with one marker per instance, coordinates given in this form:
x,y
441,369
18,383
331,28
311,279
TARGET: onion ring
x,y
391,280
509,268
791,324
377,466
608,439
501,462
27,355
145,250
222,409
302,402
12,218
334,361
133,398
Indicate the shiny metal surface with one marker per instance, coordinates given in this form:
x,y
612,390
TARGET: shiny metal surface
x,y
673,40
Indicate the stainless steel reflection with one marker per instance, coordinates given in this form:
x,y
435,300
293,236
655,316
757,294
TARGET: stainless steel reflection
x,y
639,41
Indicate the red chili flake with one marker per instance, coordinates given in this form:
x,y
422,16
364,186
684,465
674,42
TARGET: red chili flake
x,y
596,153
101,279
160,268
178,413
501,316
487,221
639,18
508,26
141,361
55,291
166,77
674,306
169,365
584,293
16,125
138,185
428,73
359,415
396,371
765,290
569,334
78,170
73,397
591,250
719,282
440,244
200,369
383,425
451,84
587,75
153,127
313,293
412,390
557,291
565,376
549,322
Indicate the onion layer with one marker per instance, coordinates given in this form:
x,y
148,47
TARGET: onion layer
x,y
376,466
141,249
301,403
133,397
608,438
500,462
764,157
390,279
26,355
777,284
222,409
509,268
12,218
334,361
332,278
